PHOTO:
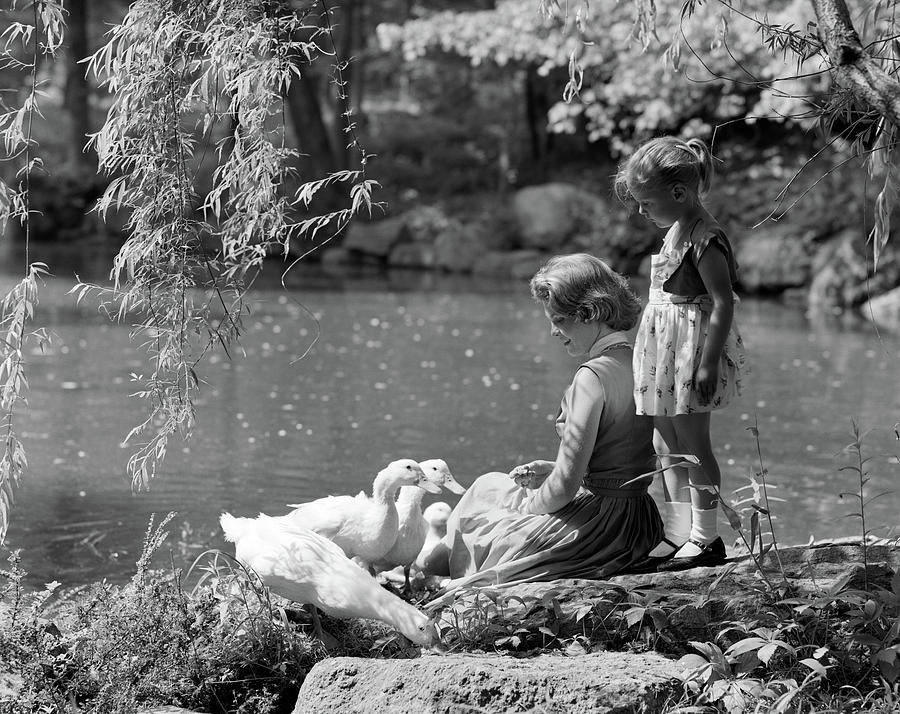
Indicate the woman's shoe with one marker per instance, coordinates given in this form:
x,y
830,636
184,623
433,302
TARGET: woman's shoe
x,y
711,554
649,563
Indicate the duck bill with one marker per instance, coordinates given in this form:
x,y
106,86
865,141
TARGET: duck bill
x,y
454,486
427,485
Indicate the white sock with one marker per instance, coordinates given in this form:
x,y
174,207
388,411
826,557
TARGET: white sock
x,y
704,529
676,526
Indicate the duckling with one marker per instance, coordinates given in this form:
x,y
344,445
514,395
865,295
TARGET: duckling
x,y
305,567
441,475
365,528
436,516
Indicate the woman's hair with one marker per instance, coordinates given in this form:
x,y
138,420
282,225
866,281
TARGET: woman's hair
x,y
584,287
663,162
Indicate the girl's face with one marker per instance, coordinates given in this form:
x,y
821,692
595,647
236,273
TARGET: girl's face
x,y
577,337
662,206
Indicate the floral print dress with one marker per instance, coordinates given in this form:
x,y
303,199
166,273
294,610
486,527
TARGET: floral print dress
x,y
673,330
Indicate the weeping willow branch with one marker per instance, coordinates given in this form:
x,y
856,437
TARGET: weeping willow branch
x,y
20,40
180,73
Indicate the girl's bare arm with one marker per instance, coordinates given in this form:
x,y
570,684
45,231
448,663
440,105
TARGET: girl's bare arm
x,y
713,268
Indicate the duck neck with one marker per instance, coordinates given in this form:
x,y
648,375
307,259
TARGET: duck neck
x,y
393,610
410,498
384,489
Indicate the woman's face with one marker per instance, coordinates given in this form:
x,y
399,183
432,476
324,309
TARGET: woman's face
x,y
577,337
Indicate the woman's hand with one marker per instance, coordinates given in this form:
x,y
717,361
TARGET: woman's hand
x,y
705,380
532,474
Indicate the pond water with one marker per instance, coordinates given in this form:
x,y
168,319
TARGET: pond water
x,y
405,365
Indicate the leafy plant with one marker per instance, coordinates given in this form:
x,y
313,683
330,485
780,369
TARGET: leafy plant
x,y
858,467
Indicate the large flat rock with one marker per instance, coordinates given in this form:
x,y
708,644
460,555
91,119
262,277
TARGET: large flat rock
x,y
469,683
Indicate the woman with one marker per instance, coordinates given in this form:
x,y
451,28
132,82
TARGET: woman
x,y
575,517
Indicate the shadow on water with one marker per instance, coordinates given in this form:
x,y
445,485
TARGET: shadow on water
x,y
408,364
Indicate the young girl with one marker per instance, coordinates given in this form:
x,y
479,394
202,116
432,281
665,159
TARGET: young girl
x,y
688,355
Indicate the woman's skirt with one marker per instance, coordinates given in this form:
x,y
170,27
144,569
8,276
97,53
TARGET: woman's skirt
x,y
593,537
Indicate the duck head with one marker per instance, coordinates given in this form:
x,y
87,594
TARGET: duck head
x,y
438,472
417,626
436,515
406,472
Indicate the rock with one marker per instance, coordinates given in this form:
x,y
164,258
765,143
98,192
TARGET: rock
x,y
441,684
843,275
549,214
10,687
460,246
773,261
884,310
505,263
336,256
413,255
375,238
698,599
424,223
688,605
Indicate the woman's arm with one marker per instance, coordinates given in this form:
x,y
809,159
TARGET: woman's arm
x,y
713,269
575,446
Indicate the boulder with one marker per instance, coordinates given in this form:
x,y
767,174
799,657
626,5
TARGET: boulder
x,y
698,599
458,247
884,310
440,684
689,605
549,214
412,255
10,687
773,261
508,263
424,223
375,238
843,274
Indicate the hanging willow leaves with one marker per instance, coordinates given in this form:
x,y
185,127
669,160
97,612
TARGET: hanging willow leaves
x,y
22,44
193,82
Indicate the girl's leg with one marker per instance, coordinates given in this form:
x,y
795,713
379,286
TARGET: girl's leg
x,y
692,436
676,509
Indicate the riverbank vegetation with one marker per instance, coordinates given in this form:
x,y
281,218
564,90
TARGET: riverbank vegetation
x,y
770,631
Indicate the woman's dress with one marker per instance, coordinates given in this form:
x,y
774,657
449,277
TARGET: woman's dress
x,y
601,532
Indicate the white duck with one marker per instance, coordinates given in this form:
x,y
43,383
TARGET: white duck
x,y
439,473
436,516
413,528
365,528
411,532
304,567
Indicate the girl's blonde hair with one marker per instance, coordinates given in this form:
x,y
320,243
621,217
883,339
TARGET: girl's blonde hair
x,y
663,162
584,287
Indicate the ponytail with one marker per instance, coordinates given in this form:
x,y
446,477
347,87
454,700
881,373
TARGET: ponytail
x,y
662,162
705,167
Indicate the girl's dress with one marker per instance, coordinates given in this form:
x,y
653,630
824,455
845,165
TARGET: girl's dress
x,y
605,528
674,326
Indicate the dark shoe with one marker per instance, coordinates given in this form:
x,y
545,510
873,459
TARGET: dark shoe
x,y
649,563
711,554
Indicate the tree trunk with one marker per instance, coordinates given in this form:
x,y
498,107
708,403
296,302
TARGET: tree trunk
x,y
76,89
854,68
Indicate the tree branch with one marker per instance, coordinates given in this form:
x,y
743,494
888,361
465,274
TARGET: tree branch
x,y
855,70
